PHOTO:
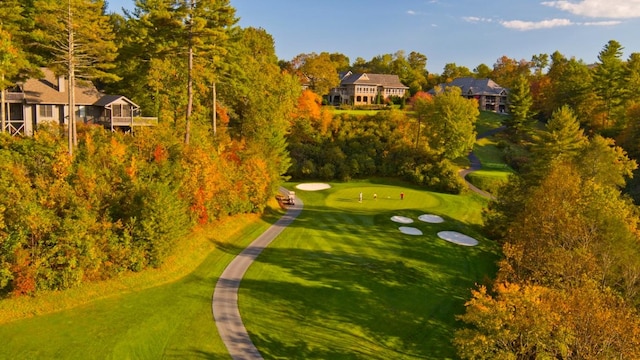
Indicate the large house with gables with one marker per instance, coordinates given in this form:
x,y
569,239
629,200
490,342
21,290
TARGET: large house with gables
x,y
490,96
45,100
366,89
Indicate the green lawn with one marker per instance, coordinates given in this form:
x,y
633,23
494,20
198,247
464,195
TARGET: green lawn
x,y
343,283
170,320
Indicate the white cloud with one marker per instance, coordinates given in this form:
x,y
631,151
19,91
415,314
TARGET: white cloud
x,y
475,19
535,25
614,9
411,12
602,23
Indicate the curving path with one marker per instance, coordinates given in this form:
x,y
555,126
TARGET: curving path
x,y
225,296
476,165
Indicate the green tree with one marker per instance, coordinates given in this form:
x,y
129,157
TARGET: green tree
x,y
319,70
450,123
562,138
482,71
608,78
452,71
520,121
79,39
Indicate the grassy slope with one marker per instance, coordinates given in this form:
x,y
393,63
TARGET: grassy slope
x,y
154,314
343,282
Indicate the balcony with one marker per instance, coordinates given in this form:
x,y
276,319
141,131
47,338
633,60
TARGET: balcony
x,y
134,121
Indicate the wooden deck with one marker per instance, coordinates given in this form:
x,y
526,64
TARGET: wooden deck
x,y
135,121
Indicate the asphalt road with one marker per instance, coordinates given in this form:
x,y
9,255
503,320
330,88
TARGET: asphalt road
x,y
225,296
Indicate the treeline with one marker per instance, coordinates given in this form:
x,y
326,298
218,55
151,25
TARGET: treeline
x,y
120,204
568,286
91,204
389,144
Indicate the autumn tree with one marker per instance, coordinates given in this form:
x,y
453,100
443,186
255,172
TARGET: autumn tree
x,y
535,322
506,71
317,69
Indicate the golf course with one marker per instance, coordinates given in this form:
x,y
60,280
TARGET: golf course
x,y
342,281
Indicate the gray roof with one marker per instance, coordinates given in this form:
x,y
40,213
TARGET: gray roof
x,y
473,86
385,80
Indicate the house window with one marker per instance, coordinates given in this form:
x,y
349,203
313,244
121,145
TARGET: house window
x,y
117,110
82,111
46,111
126,111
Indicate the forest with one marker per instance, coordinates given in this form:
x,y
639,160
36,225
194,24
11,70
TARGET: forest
x,y
85,204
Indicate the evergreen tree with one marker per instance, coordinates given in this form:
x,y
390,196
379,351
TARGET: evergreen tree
x,y
608,79
521,117
78,40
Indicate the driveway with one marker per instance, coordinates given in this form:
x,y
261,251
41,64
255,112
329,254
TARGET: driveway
x,y
225,296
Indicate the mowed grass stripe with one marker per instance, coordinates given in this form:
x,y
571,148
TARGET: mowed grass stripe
x,y
367,291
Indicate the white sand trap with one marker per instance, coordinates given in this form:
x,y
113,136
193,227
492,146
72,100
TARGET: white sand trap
x,y
401,219
313,186
434,219
410,230
458,238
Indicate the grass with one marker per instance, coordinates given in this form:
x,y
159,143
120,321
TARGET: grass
x,y
343,283
150,315
488,120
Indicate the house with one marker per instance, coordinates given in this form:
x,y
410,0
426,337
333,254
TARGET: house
x,y
490,96
45,100
366,89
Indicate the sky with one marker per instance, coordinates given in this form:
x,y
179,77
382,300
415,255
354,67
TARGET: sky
x,y
465,32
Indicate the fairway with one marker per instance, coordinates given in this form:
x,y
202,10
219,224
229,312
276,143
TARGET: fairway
x,y
344,282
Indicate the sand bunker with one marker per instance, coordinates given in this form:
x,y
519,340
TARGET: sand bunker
x,y
313,186
401,219
409,230
434,219
458,238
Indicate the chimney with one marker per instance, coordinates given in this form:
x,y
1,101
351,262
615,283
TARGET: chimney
x,y
61,84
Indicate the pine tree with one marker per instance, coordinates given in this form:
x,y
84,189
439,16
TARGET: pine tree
x,y
77,39
521,121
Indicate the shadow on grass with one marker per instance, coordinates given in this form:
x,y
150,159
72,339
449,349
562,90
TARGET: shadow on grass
x,y
366,292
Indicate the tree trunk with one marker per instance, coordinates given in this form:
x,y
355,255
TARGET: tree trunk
x,y
214,110
2,105
70,75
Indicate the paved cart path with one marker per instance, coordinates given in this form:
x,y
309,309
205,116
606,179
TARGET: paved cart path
x,y
225,296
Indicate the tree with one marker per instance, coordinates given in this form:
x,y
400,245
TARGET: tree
x,y
81,45
608,79
562,139
533,322
13,56
482,71
506,71
520,121
450,122
318,69
452,71
190,39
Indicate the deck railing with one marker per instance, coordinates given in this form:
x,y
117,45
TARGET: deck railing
x,y
135,121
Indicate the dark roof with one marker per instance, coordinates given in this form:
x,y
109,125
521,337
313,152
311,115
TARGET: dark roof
x,y
45,90
473,86
385,80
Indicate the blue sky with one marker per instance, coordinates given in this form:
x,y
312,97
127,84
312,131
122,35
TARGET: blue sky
x,y
465,32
